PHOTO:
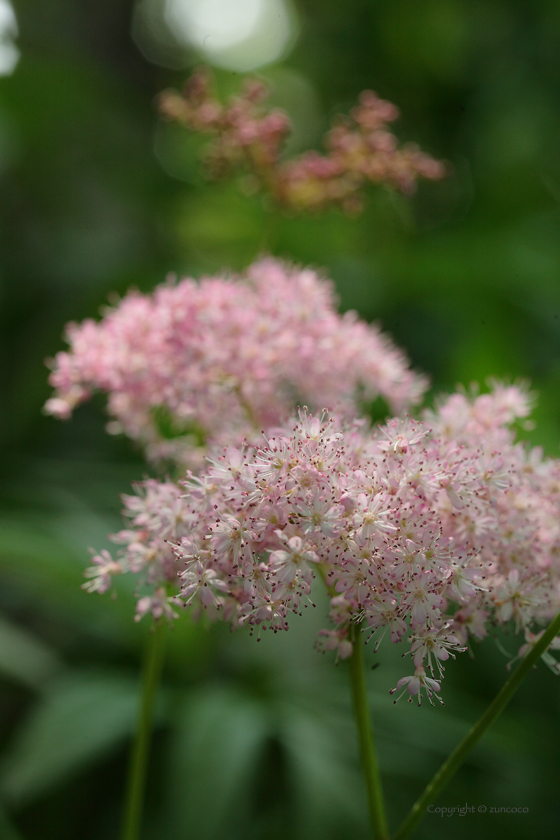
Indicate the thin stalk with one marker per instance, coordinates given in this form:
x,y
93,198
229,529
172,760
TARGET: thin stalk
x,y
136,781
457,757
378,821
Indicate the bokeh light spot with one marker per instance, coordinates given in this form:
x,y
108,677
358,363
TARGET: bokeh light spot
x,y
9,53
239,35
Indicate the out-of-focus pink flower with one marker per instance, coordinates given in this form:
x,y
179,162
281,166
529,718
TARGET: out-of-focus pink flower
x,y
221,359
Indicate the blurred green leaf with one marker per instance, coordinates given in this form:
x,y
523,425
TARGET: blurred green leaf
x,y
81,718
24,658
8,831
220,735
325,773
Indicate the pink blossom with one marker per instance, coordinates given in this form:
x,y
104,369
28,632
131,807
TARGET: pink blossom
x,y
248,539
416,684
219,360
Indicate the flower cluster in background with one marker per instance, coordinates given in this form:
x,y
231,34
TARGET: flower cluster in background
x,y
360,148
220,360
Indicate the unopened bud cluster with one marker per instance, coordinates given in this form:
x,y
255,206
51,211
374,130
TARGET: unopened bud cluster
x,y
360,149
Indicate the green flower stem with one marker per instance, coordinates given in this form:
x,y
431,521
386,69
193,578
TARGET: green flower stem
x,y
449,767
136,781
378,822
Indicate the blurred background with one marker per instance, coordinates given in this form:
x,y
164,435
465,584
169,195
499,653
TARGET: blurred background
x,y
97,195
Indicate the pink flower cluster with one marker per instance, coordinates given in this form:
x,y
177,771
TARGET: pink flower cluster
x,y
424,531
360,149
222,359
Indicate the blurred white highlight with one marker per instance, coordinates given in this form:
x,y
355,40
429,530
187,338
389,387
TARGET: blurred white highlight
x,y
9,53
239,35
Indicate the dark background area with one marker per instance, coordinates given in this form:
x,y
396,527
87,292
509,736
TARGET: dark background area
x,y
96,196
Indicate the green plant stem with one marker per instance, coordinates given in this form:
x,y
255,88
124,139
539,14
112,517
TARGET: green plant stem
x,y
378,822
457,757
136,782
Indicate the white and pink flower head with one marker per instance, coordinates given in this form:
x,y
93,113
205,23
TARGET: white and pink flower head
x,y
369,514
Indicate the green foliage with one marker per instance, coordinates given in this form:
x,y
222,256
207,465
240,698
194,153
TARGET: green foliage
x,y
24,658
80,718
168,427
